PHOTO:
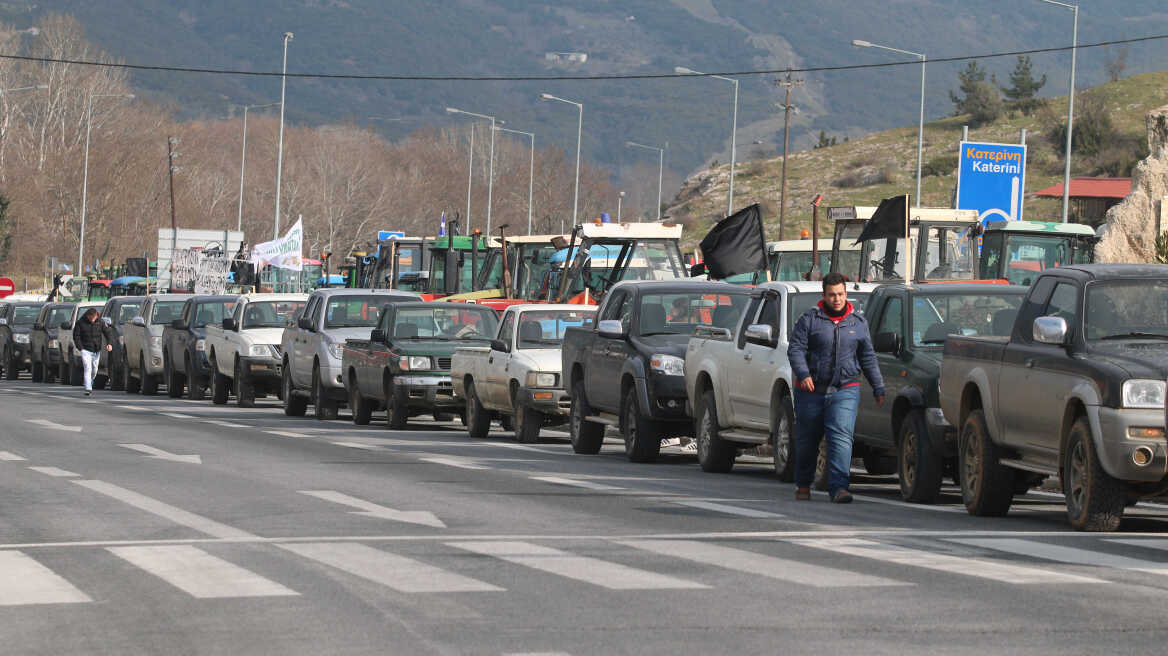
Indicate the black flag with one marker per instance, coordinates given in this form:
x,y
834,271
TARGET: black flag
x,y
735,245
887,221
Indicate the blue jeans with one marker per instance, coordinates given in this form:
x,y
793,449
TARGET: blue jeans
x,y
831,416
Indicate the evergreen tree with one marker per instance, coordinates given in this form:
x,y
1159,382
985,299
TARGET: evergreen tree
x,y
1023,87
980,99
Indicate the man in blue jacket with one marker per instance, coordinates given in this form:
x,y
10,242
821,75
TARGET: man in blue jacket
x,y
829,347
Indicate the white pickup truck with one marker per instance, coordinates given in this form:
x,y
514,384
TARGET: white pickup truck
x,y
244,350
518,375
738,383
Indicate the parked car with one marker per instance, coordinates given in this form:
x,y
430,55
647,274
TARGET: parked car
x,y
69,371
738,379
116,313
184,345
1076,391
43,342
16,320
312,348
142,338
404,365
244,349
908,434
518,374
627,369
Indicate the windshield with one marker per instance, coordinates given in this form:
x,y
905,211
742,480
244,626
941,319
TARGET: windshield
x,y
165,312
212,312
1026,256
532,271
544,329
127,311
950,256
444,323
1126,308
681,313
270,314
60,315
24,315
935,316
465,271
801,303
355,311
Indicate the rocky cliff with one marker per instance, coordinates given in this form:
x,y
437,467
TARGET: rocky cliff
x,y
1130,232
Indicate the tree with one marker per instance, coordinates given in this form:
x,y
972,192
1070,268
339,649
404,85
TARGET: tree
x,y
1116,63
5,231
980,99
824,142
1023,87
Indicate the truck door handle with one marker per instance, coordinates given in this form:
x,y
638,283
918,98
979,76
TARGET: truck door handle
x,y
1029,362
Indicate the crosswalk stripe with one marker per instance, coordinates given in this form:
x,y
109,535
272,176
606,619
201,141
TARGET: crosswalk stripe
x,y
460,463
176,415
1063,554
581,568
757,564
730,510
976,567
26,581
198,573
571,482
1148,543
397,572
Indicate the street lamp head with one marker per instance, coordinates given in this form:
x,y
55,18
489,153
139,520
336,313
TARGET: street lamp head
x,y
287,36
681,70
546,96
451,110
630,144
42,86
861,44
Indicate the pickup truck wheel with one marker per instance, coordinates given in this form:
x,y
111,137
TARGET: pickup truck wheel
x,y
129,384
397,408
714,453
117,363
245,395
820,480
443,416
218,385
507,422
642,440
587,437
63,371
782,440
1095,500
195,389
294,406
322,406
362,410
38,372
528,421
175,384
478,420
987,488
920,465
149,380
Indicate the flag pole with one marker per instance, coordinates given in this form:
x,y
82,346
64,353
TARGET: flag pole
x,y
908,261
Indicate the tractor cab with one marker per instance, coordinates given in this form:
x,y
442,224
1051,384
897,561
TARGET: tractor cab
x,y
1017,251
943,247
454,264
599,255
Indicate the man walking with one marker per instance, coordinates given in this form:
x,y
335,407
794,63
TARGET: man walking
x,y
89,335
829,347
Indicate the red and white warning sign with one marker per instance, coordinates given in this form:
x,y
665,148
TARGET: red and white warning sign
x,y
7,287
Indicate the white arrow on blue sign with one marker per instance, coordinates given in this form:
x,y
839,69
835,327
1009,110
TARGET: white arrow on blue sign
x,y
991,179
382,235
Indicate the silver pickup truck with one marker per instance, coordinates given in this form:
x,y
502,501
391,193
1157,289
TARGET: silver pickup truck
x,y
1076,391
142,338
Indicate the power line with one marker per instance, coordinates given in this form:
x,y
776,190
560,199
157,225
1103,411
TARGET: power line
x,y
567,78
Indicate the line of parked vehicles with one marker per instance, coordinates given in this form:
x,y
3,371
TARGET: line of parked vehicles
x,y
992,385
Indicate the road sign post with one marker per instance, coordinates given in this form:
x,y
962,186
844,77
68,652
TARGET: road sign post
x,y
991,178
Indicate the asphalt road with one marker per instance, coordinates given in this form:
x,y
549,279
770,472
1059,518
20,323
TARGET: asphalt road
x,y
147,525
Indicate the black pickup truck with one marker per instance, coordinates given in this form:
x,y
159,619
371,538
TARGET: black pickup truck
x,y
627,370
16,321
116,313
184,354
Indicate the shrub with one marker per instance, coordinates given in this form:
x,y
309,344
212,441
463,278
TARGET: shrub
x,y
940,165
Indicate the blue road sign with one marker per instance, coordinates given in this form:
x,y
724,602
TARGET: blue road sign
x,y
991,179
382,235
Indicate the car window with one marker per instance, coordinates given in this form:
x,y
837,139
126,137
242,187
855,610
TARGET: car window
x,y
445,322
59,315
613,309
211,312
936,316
24,315
1119,309
1064,303
166,311
682,312
268,314
126,312
355,311
545,328
892,318
507,327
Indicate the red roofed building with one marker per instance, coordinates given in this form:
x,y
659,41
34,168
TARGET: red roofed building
x,y
1090,197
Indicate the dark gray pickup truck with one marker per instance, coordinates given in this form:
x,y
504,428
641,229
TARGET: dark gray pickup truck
x,y
1076,391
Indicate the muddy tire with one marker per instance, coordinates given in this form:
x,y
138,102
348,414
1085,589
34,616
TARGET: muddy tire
x,y
527,422
196,391
642,438
245,395
1095,500
478,420
714,454
219,384
987,488
294,404
362,409
919,463
587,437
323,407
175,382
783,439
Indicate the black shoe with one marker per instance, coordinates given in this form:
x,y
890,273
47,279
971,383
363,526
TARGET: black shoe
x,y
88,393
841,496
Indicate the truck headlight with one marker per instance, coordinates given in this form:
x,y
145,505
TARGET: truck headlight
x,y
156,342
259,351
414,362
539,379
54,343
336,350
1143,393
20,338
201,345
668,365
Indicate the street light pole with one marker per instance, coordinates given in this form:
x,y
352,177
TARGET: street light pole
x,y
579,133
280,146
620,197
733,130
490,164
469,177
1070,104
660,168
530,172
243,162
85,174
921,125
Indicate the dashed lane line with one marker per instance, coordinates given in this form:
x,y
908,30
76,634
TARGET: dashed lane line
x,y
55,472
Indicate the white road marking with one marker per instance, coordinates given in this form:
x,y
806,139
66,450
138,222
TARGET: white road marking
x,y
460,463
200,574
286,433
54,425
357,445
53,471
1063,554
588,485
165,510
397,572
757,564
1148,543
88,401
9,456
976,567
152,452
26,581
613,576
368,509
730,510
132,407
177,415
228,424
904,504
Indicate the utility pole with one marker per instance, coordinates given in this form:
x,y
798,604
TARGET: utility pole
x,y
171,142
787,107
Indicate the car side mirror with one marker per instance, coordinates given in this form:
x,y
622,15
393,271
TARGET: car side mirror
x,y
761,334
305,323
138,321
1050,330
886,343
500,345
108,321
178,324
65,325
610,328
377,335
229,324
